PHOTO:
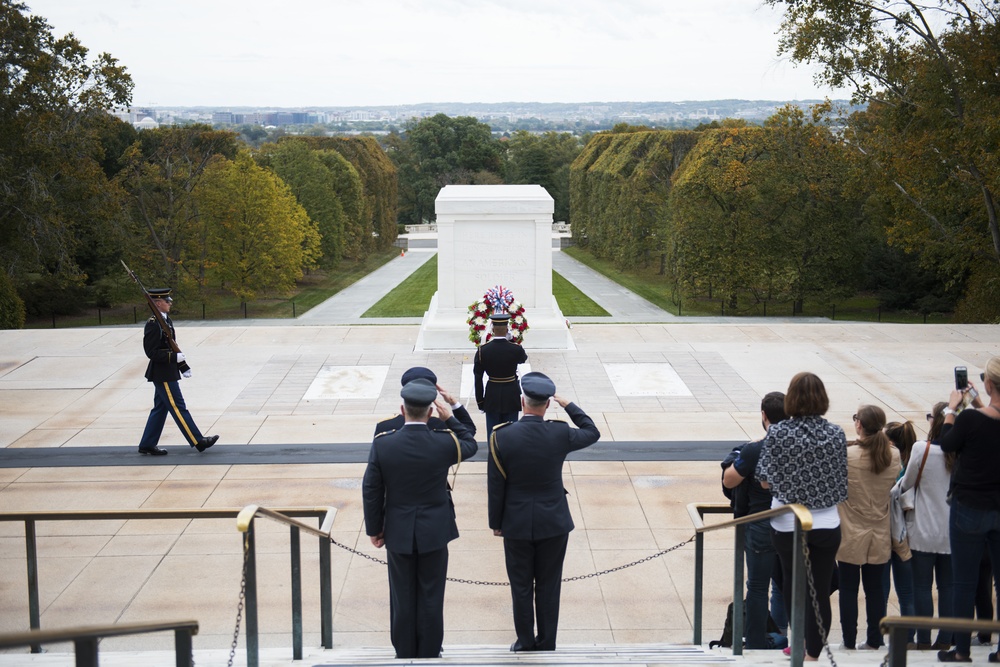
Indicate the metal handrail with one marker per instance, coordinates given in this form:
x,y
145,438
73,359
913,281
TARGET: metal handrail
x,y
85,639
803,524
324,514
897,627
244,524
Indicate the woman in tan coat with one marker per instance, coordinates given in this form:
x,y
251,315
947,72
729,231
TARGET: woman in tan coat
x,y
872,468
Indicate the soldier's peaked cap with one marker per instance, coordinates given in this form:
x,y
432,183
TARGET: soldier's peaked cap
x,y
538,386
419,393
161,293
411,374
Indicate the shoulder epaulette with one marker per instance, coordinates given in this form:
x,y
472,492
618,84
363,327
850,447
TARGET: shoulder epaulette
x,y
502,425
379,435
555,421
442,430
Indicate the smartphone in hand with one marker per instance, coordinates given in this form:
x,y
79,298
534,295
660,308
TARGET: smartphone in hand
x,y
961,378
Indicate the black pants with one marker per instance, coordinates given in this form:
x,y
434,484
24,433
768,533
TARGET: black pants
x,y
823,544
851,577
534,568
416,602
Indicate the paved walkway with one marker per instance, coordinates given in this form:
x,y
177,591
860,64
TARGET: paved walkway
x,y
622,304
254,384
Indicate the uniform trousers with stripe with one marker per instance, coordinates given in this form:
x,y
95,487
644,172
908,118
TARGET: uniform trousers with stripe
x,y
168,399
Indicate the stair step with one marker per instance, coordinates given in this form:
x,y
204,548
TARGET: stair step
x,y
634,655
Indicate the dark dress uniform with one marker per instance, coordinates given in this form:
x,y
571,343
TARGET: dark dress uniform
x,y
527,502
501,397
435,424
396,422
162,371
406,498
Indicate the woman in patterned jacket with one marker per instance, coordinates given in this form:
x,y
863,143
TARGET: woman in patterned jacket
x,y
804,460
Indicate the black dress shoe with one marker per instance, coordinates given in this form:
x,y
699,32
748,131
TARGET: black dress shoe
x,y
155,451
205,443
517,647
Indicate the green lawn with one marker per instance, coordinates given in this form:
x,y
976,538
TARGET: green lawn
x,y
572,302
413,295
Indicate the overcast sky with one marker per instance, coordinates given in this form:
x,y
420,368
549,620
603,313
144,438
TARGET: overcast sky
x,y
381,52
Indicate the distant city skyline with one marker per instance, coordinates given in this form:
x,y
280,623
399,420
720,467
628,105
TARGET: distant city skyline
x,y
317,53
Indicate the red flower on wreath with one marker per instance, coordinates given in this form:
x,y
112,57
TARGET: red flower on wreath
x,y
498,299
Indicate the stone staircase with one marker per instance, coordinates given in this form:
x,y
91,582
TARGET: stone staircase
x,y
635,655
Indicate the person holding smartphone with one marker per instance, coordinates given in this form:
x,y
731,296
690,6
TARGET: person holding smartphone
x,y
974,518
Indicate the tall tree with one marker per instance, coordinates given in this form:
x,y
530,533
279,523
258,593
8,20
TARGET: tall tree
x,y
767,213
162,172
259,238
930,74
439,151
314,187
543,160
53,98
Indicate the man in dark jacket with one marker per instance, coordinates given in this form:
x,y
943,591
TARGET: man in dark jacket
x,y
165,375
738,474
408,510
528,508
461,414
498,358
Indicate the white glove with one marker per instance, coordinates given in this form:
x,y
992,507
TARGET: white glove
x,y
180,357
187,373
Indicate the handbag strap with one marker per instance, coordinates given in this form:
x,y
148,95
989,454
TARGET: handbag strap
x,y
927,450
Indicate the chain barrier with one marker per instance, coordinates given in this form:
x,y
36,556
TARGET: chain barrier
x,y
239,607
507,583
815,602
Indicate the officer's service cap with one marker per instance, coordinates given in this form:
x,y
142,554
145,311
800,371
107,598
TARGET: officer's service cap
x,y
161,293
411,374
538,386
500,318
419,393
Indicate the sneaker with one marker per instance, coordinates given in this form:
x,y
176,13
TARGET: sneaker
x,y
787,651
866,647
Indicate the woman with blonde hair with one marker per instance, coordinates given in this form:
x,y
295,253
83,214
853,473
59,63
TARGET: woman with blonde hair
x,y
974,520
804,460
929,473
872,468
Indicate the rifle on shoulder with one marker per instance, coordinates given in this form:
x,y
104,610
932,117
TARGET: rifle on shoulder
x,y
158,316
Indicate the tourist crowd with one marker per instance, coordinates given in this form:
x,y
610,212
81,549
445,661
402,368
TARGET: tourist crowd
x,y
884,505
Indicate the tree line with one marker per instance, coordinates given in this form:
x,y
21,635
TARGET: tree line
x,y
191,207
897,198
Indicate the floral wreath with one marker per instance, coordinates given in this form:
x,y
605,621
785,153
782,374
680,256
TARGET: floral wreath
x,y
497,300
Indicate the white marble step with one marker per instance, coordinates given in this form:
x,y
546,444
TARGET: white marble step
x,y
634,655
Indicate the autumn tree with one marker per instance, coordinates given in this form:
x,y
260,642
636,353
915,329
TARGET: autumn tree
x,y
259,238
163,170
314,187
929,73
765,213
53,99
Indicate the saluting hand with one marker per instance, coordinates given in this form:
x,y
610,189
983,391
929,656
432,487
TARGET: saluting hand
x,y
445,395
561,401
443,410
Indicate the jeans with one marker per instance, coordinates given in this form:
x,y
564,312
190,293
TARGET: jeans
x,y
823,544
925,565
760,561
970,530
870,576
901,572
